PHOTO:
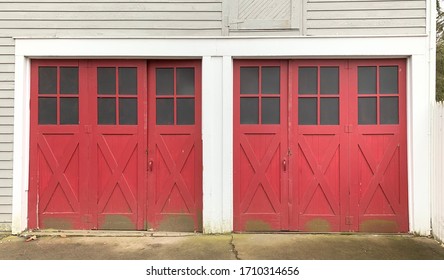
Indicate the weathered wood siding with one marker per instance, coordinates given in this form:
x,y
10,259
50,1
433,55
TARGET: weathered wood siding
x,y
365,17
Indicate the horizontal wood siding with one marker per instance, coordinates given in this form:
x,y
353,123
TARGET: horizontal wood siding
x,y
365,17
6,129
111,18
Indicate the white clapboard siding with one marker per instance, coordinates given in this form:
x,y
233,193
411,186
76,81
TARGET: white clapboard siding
x,y
5,191
6,129
6,138
438,171
365,17
5,183
110,18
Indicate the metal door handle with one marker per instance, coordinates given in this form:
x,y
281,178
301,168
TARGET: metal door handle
x,y
284,165
150,165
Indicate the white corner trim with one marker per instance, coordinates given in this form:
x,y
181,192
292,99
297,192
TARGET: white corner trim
x,y
20,172
212,141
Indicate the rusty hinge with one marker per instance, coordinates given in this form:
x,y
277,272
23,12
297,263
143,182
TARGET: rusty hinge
x,y
348,128
348,220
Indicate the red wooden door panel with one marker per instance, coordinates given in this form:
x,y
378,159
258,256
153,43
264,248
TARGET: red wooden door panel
x,y
117,98
174,146
347,156
378,146
319,139
57,147
260,146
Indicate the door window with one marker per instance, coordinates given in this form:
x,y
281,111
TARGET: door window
x,y
378,92
117,95
260,90
175,94
318,95
58,95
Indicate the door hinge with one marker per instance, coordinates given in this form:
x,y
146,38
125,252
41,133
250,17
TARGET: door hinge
x,y
348,128
348,220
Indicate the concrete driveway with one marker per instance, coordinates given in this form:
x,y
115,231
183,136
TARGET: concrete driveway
x,y
170,246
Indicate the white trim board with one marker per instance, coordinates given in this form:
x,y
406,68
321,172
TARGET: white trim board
x,y
217,84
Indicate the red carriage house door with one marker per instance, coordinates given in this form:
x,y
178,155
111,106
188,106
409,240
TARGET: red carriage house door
x,y
117,180
260,146
346,154
319,145
378,146
174,146
58,146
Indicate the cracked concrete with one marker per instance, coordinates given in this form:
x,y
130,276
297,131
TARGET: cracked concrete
x,y
63,246
233,248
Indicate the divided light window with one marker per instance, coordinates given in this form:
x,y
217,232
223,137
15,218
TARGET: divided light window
x,y
58,95
378,95
260,95
175,96
117,95
318,95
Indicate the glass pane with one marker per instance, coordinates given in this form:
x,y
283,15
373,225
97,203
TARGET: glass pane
x,y
69,80
329,80
164,81
69,111
185,111
307,111
185,81
367,79
308,80
329,111
165,111
48,80
388,79
127,110
270,110
367,110
106,110
128,80
106,80
271,80
249,110
249,80
389,110
47,110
